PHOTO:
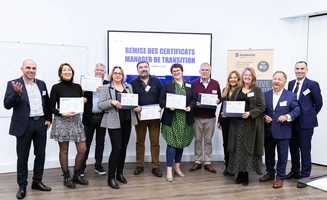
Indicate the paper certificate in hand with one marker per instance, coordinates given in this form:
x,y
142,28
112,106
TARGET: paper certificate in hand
x,y
233,108
90,83
128,101
175,101
71,105
208,100
150,112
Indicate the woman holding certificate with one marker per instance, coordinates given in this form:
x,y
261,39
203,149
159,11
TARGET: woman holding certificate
x,y
246,134
177,119
118,121
233,80
67,127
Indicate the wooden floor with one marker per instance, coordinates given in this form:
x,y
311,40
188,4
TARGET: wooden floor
x,y
200,184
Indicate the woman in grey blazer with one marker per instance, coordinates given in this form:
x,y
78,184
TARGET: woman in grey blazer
x,y
119,123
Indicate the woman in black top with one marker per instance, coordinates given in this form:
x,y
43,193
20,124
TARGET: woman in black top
x,y
233,80
67,127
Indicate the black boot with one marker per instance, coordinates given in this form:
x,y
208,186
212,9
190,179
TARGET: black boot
x,y
77,178
68,180
245,181
239,178
112,183
121,178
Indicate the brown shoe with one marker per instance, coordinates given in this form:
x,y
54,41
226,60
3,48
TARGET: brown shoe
x,y
278,184
195,167
138,170
266,178
209,168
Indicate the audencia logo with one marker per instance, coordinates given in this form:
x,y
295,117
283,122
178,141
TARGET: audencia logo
x,y
263,66
244,54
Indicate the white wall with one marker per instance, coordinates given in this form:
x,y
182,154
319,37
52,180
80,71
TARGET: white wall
x,y
234,24
299,8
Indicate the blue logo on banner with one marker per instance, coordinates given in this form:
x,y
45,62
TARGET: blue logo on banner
x,y
263,66
237,54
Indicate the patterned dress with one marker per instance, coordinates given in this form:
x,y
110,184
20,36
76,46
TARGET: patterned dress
x,y
241,159
179,134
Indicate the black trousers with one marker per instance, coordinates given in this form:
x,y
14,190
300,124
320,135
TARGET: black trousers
x,y
100,133
36,131
224,122
119,140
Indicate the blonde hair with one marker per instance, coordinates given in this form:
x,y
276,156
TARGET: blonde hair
x,y
110,77
254,76
228,87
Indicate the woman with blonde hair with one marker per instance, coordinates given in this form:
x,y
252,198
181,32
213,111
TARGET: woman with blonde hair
x,y
246,134
119,123
233,80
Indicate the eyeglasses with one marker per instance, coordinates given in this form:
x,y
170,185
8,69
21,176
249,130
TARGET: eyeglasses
x,y
176,71
118,73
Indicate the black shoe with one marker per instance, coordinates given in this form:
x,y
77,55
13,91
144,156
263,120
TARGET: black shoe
x,y
21,193
68,182
301,185
113,184
245,180
99,169
293,175
138,170
121,178
77,178
82,172
40,186
156,172
225,172
239,178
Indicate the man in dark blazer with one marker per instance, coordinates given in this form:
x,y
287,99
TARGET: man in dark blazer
x,y
310,101
281,108
92,117
30,120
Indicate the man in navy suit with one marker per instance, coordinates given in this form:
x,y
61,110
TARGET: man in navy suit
x,y
92,118
281,108
30,120
310,101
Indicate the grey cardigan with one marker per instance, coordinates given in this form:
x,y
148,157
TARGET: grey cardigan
x,y
110,117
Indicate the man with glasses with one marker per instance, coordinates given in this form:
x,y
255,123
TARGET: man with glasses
x,y
148,88
205,119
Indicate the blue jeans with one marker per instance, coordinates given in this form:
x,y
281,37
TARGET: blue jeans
x,y
173,153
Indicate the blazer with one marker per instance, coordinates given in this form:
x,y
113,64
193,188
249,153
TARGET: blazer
x,y
287,104
169,87
254,123
88,105
21,106
110,117
310,103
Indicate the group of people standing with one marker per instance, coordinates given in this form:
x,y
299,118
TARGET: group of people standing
x,y
274,118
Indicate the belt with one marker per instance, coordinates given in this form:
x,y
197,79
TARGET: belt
x,y
35,118
97,114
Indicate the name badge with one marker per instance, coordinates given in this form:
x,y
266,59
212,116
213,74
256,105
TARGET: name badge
x,y
187,85
251,94
284,103
307,91
214,91
147,88
44,93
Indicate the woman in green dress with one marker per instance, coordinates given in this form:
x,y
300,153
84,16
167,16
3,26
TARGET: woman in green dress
x,y
177,124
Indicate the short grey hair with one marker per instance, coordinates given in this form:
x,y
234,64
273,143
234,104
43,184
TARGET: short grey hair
x,y
205,64
100,64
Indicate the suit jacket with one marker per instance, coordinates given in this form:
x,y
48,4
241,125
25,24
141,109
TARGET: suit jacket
x,y
310,104
287,104
21,106
169,87
110,117
88,105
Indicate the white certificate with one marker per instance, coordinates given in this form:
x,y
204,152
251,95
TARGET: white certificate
x,y
208,99
150,112
71,105
234,108
128,101
175,101
90,83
